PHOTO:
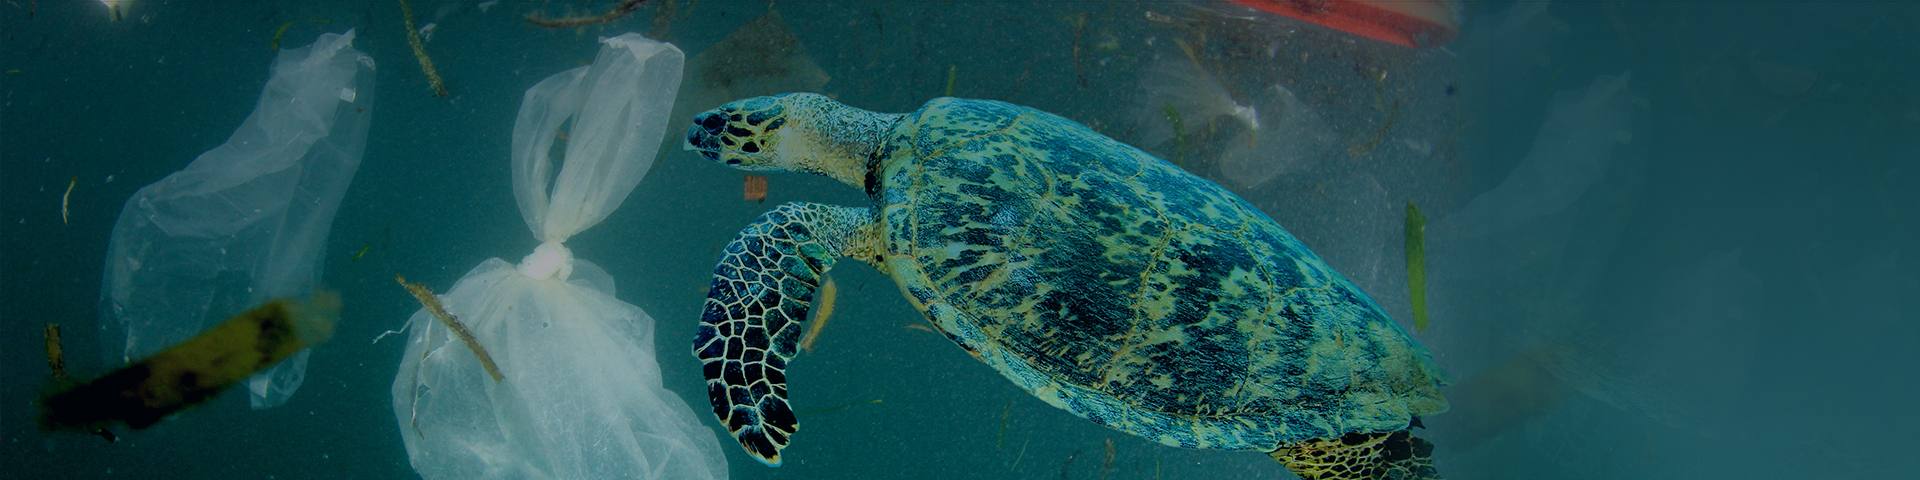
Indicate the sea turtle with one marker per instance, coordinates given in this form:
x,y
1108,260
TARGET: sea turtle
x,y
1101,279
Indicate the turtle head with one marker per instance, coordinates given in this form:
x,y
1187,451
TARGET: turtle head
x,y
796,132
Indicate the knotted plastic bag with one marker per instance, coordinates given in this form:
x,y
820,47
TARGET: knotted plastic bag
x,y
581,394
246,221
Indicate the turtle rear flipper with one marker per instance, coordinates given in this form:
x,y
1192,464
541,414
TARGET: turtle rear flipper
x,y
755,309
1355,456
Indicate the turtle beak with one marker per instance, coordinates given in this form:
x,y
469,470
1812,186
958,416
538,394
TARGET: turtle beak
x,y
704,135
700,140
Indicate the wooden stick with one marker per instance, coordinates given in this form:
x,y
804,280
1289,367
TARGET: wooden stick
x,y
420,52
621,10
432,304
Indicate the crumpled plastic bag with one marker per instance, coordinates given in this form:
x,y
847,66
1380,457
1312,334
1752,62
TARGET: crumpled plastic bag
x,y
246,221
581,396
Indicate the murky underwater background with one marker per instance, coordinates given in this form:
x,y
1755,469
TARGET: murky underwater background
x,y
1664,240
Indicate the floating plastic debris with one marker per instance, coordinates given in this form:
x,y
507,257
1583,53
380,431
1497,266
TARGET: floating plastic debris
x,y
754,188
192,372
1407,23
246,221
583,395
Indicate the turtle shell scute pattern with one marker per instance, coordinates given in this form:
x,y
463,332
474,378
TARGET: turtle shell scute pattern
x,y
1114,285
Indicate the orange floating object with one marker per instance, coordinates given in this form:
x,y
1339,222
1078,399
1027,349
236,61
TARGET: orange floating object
x,y
1407,23
756,188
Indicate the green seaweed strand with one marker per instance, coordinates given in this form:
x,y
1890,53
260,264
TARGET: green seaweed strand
x,y
1417,266
1179,134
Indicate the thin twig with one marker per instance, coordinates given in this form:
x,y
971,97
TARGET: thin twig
x,y
420,52
625,7
432,304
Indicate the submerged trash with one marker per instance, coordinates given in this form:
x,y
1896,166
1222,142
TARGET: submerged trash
x,y
754,188
192,372
583,394
1407,23
420,52
248,220
1292,139
1181,99
1416,234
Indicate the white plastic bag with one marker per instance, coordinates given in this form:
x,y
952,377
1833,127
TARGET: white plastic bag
x,y
581,396
246,221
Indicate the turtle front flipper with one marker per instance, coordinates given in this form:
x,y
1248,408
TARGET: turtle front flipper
x,y
761,292
1355,456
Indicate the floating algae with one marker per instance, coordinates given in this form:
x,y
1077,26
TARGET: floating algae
x,y
1362,148
277,34
1106,460
820,315
194,371
1417,266
420,52
952,72
432,304
1000,438
625,7
67,196
1067,466
1079,22
56,360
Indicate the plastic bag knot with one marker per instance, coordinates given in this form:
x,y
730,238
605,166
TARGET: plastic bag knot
x,y
549,260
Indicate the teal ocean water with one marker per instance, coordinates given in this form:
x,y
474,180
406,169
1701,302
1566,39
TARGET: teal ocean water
x,y
1663,239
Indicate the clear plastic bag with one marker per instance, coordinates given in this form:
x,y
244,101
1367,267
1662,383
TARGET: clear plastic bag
x,y
581,395
246,221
